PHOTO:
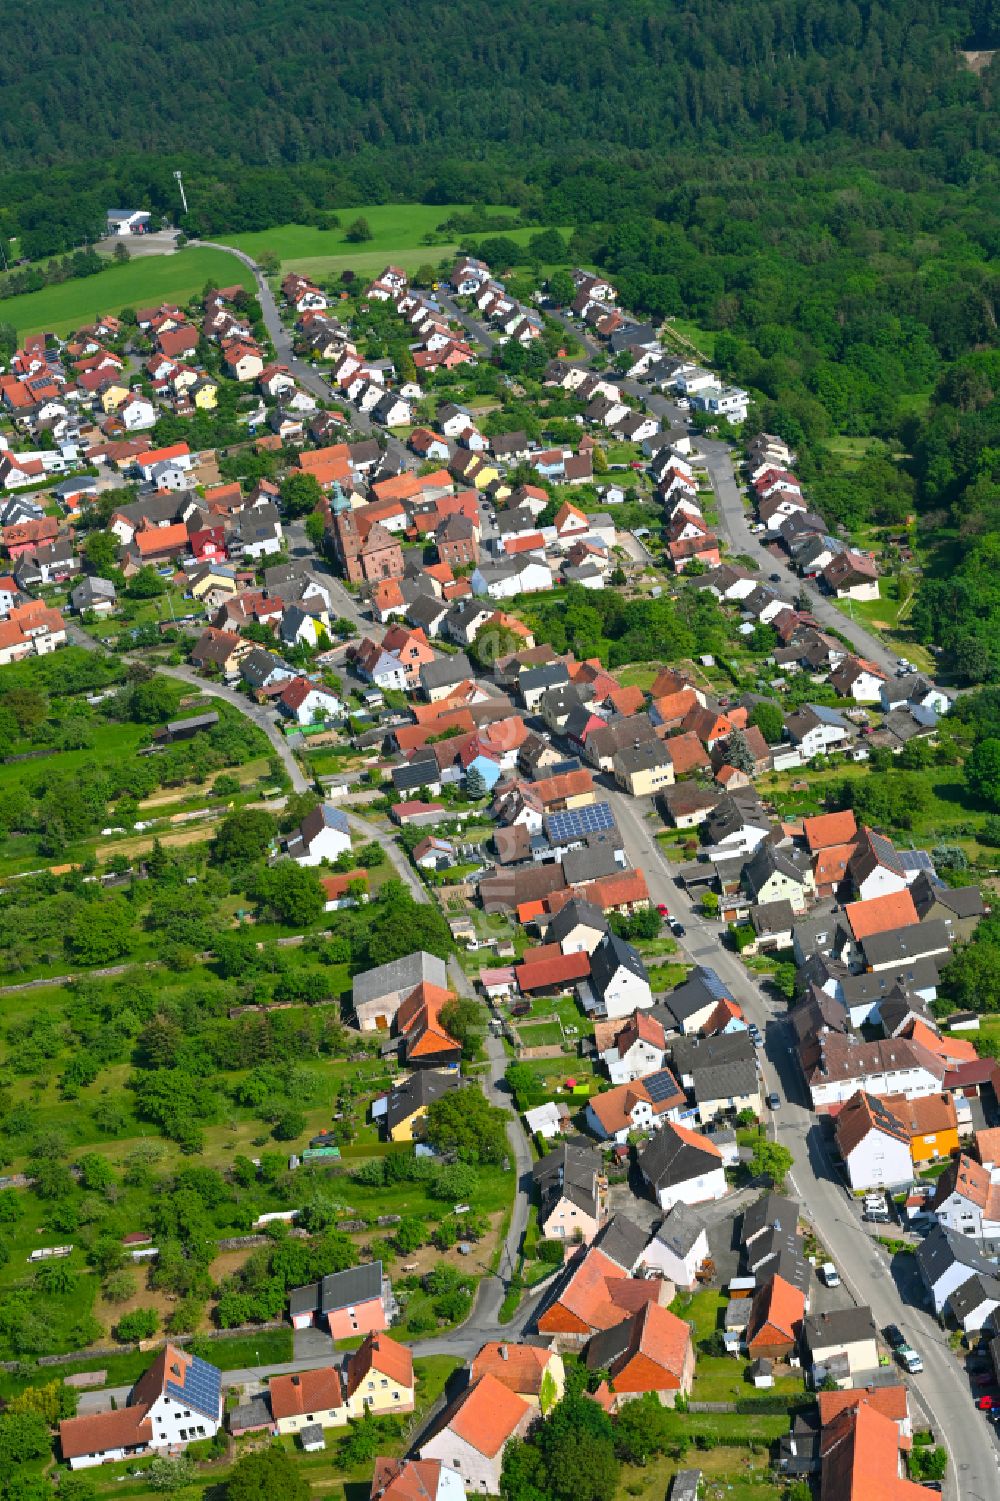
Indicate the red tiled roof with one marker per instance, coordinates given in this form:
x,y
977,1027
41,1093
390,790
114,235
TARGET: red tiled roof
x,y
881,914
126,1428
378,1352
307,1391
486,1415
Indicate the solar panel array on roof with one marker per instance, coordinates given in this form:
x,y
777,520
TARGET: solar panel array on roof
x,y
661,1085
577,822
916,860
201,1390
711,982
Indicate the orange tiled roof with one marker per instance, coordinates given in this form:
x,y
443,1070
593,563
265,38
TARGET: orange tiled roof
x,y
779,1305
881,914
377,1352
518,1367
306,1391
486,1415
829,828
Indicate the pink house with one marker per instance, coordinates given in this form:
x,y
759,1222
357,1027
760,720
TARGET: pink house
x,y
358,1301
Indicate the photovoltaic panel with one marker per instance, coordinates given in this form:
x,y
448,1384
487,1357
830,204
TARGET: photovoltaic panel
x,y
660,1086
575,823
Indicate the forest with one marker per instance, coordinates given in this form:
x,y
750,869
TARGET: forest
x,y
815,186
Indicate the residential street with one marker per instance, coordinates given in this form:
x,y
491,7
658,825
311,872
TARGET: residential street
x,y
863,1265
303,370
734,520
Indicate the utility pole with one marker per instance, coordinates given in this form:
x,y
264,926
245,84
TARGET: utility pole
x,y
180,185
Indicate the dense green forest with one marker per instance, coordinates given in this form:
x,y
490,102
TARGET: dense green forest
x,y
815,184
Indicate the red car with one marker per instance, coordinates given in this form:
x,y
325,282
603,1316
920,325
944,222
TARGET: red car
x,y
986,1404
662,909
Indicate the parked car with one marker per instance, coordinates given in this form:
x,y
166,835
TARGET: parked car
x,y
663,909
983,1378
774,1101
775,578
893,1336
678,929
830,1275
909,1360
986,1403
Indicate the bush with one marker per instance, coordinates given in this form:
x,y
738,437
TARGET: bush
x,y
141,1323
552,1252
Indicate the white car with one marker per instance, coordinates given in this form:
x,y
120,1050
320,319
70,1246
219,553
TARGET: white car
x,y
830,1275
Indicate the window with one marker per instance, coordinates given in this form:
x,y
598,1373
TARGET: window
x,y
383,1383
368,1401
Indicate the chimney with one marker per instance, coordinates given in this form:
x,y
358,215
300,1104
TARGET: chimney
x,y
296,1380
502,1352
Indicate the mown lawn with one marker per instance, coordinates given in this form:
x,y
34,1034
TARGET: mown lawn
x,y
729,1474
146,280
398,231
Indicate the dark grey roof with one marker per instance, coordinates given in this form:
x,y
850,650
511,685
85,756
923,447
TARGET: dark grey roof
x,y
768,861
701,988
357,1285
734,813
979,1289
607,1345
916,974
838,1326
409,775
724,1081
596,858
253,1414
964,901
689,1053
549,675
425,610
680,1230
611,955
940,1250
775,1240
571,1171
918,941
769,1210
642,755
416,1092
445,670
818,1010
772,917
623,1241
668,1159
575,912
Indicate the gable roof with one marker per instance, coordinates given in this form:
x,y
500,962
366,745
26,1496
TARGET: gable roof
x,y
779,1305
520,1368
95,1433
485,1416
862,1114
829,828
676,1154
307,1391
881,914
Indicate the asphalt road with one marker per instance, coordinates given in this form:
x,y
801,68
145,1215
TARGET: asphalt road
x,y
305,374
892,1292
734,521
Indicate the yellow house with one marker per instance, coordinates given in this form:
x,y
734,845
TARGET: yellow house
x,y
407,1104
308,1397
379,1377
206,395
215,585
931,1123
536,1375
485,476
112,397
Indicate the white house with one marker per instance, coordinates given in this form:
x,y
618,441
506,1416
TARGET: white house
x,y
305,702
946,1260
178,1400
137,412
639,1048
678,1248
618,983
967,1200
324,834
836,1067
873,1144
471,1434
679,1166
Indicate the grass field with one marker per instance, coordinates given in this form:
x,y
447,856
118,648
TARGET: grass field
x,y
146,280
398,231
